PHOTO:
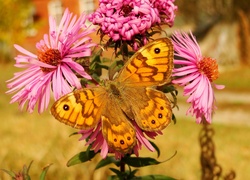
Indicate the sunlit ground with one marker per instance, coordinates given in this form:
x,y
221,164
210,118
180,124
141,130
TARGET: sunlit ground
x,y
26,137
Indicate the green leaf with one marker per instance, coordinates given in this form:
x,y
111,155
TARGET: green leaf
x,y
143,161
81,158
44,172
156,148
29,167
154,177
128,174
74,133
134,172
114,68
140,161
96,67
12,174
113,177
118,173
26,171
106,161
167,88
174,118
96,58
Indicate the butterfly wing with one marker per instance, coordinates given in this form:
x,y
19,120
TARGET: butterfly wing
x,y
150,108
80,109
117,128
149,66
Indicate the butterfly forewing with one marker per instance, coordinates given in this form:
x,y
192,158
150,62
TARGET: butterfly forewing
x,y
151,65
80,109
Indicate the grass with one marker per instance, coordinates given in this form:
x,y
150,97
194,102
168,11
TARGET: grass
x,y
26,137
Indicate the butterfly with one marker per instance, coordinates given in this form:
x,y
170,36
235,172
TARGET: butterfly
x,y
130,97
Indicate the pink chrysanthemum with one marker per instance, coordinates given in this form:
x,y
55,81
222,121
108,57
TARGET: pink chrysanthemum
x,y
196,73
97,141
53,68
124,19
166,9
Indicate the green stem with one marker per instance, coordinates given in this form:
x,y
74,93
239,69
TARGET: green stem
x,y
122,166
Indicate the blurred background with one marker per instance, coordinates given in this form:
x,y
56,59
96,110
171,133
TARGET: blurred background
x,y
222,28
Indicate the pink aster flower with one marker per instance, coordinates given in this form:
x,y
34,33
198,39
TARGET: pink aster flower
x,y
95,138
196,73
53,67
128,20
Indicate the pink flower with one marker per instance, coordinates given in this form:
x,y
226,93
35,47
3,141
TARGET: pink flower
x,y
166,10
122,20
196,73
97,141
53,68
128,20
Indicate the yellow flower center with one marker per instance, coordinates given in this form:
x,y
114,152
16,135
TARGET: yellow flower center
x,y
50,56
209,67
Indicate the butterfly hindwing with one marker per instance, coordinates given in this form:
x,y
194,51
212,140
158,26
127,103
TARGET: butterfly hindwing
x,y
117,128
151,108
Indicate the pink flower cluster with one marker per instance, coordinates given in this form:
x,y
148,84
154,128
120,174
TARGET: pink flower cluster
x,y
166,10
124,19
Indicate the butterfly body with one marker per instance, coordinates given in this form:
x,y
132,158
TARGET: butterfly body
x,y
130,98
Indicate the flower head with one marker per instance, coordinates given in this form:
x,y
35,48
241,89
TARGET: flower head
x,y
166,9
53,68
98,143
130,19
196,73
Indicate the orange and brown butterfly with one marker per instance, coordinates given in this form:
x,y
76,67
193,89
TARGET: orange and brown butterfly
x,y
131,96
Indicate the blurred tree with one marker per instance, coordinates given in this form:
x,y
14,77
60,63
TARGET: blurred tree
x,y
14,25
242,12
204,15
